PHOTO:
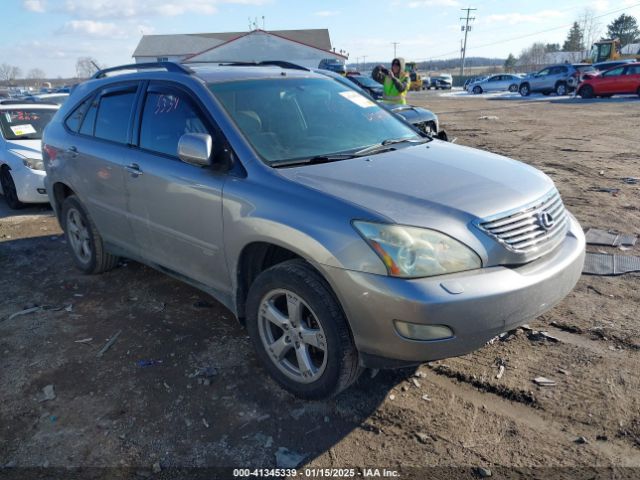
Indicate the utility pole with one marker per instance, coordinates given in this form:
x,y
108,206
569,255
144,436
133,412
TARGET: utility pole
x,y
466,28
364,62
395,44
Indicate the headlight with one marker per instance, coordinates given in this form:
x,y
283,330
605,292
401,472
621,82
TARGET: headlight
x,y
33,163
412,252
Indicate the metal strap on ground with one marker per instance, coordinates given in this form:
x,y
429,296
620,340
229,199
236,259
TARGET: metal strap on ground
x,y
607,264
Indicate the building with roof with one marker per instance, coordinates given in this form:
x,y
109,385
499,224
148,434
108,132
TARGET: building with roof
x,y
303,47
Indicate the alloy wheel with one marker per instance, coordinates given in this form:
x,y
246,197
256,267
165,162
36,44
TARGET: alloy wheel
x,y
79,237
292,336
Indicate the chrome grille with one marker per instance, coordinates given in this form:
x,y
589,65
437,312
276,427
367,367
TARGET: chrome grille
x,y
537,228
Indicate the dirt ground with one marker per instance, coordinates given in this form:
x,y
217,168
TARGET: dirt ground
x,y
181,387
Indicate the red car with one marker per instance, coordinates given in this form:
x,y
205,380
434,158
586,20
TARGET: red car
x,y
619,80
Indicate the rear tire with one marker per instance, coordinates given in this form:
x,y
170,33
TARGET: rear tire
x,y
513,88
86,244
586,91
525,90
9,189
290,298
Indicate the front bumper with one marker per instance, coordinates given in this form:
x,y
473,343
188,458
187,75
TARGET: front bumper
x,y
492,300
30,185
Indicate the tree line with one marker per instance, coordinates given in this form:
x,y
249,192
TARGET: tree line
x,y
583,33
9,74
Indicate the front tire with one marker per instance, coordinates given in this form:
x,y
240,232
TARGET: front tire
x,y
300,333
525,90
477,90
9,190
86,244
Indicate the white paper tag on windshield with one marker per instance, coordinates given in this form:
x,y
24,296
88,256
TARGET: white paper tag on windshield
x,y
358,99
23,129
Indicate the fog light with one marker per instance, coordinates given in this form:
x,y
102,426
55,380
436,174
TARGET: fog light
x,y
42,190
416,331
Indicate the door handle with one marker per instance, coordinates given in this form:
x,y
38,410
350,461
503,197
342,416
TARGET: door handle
x,y
133,169
73,151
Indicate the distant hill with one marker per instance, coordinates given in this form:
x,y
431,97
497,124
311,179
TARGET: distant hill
x,y
446,64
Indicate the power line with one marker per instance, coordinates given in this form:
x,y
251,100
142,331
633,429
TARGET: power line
x,y
466,29
506,40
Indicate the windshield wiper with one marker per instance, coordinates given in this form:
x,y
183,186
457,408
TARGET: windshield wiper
x,y
385,145
334,157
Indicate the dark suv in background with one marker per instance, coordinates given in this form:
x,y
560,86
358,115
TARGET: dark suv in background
x,y
558,79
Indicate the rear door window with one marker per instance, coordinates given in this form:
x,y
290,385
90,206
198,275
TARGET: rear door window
x,y
74,120
613,73
114,114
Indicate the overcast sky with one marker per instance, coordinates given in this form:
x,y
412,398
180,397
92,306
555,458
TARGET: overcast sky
x,y
52,34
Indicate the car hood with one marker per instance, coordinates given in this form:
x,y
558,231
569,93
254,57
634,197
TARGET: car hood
x,y
413,114
428,185
26,148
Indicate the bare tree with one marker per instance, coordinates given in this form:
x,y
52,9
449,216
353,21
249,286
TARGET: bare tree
x,y
8,73
86,67
591,29
532,57
37,75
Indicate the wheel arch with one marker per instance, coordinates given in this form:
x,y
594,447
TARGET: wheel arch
x,y
256,257
60,192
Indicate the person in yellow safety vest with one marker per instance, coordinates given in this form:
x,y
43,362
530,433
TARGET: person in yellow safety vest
x,y
395,82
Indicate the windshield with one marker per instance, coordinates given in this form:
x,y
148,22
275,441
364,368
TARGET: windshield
x,y
299,118
24,123
367,81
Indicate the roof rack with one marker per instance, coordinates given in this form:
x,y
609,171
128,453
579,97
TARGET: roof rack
x,y
266,63
168,66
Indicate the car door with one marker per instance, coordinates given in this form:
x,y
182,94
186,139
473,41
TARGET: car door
x,y
555,75
493,83
176,208
632,79
609,82
539,79
95,154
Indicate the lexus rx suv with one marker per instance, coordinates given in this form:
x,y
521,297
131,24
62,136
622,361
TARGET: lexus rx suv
x,y
340,236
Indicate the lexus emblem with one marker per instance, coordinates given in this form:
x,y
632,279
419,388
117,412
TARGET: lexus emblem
x,y
545,220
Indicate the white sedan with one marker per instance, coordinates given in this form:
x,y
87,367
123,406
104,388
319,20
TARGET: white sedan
x,y
21,169
496,83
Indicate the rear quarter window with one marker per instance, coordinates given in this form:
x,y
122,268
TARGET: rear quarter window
x,y
74,120
114,113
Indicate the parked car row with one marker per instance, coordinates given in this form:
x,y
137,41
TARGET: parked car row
x,y
622,79
494,83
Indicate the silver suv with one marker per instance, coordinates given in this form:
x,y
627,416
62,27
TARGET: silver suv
x,y
558,79
340,236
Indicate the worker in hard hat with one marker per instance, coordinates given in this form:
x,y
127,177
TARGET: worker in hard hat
x,y
395,82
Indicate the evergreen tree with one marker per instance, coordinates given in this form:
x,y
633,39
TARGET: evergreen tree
x,y
573,43
510,63
625,27
552,47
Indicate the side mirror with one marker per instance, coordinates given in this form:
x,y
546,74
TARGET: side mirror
x,y
195,149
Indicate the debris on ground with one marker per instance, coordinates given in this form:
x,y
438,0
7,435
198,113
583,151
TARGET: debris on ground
x,y
544,382
49,393
26,311
84,340
483,472
500,372
607,264
423,437
539,336
488,117
630,180
205,423
204,372
416,382
285,458
595,236
148,363
392,397
581,440
602,438
614,191
109,343
426,398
